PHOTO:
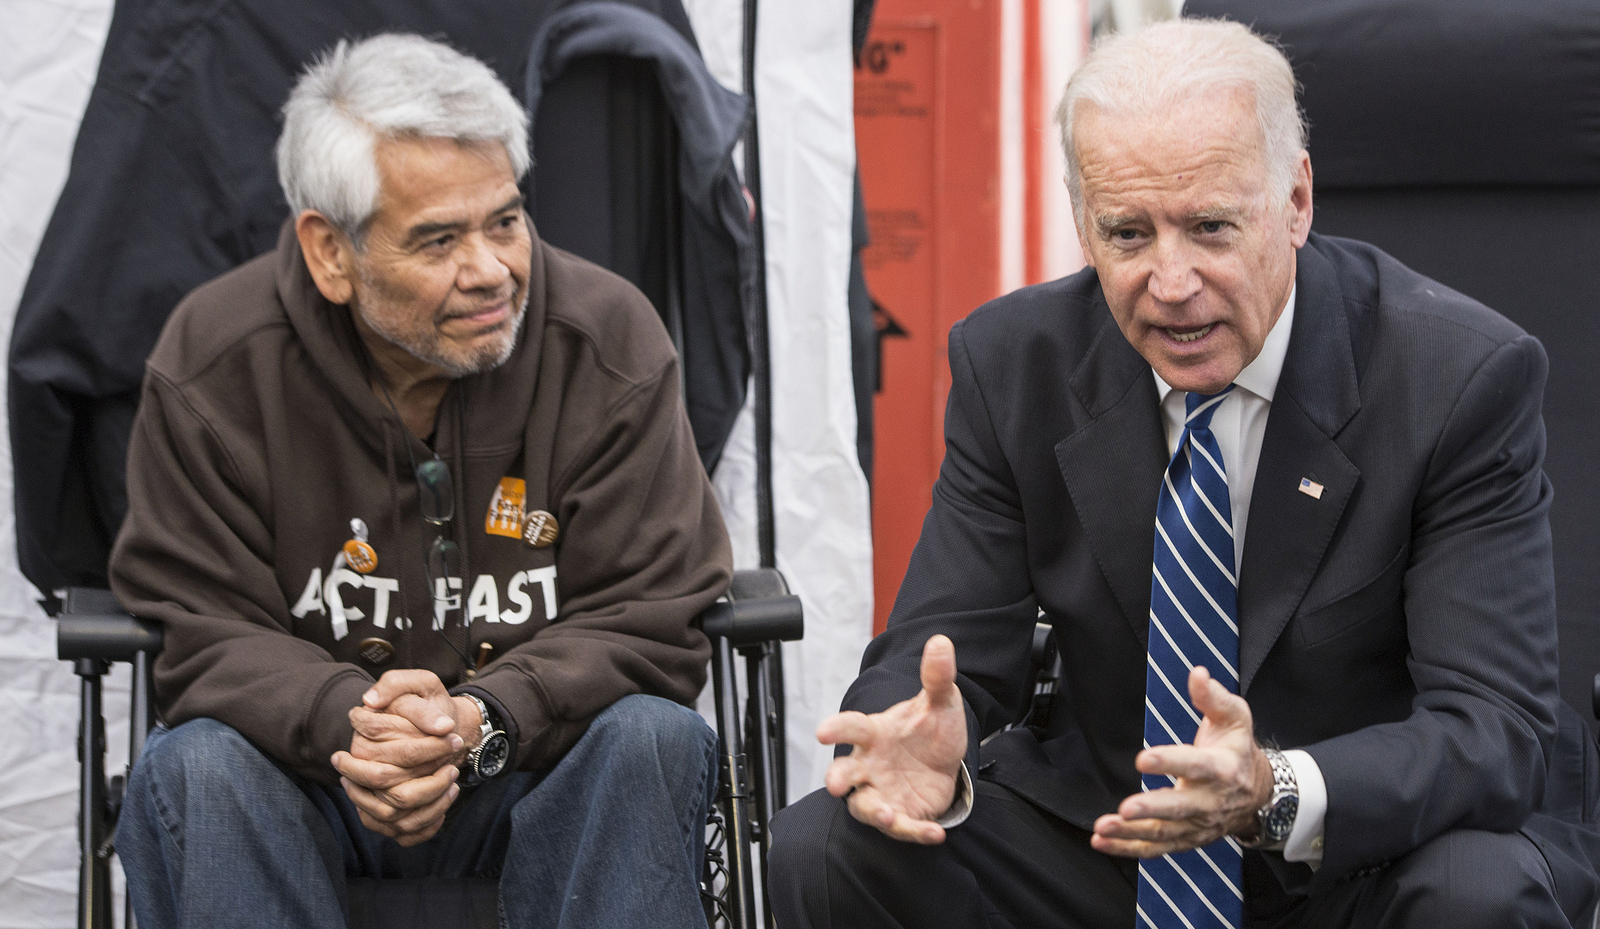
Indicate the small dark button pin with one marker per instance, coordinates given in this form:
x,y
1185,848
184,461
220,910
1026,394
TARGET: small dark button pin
x,y
376,650
539,528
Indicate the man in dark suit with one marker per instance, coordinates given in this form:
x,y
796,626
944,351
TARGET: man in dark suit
x,y
1377,729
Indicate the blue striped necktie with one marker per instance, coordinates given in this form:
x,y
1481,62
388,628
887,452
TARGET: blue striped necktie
x,y
1193,620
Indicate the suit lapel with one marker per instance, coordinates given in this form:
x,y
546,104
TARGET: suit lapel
x,y
1289,530
1112,466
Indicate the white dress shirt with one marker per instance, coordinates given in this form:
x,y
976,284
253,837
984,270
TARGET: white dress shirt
x,y
1238,425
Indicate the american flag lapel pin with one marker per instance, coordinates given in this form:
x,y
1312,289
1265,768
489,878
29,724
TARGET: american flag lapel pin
x,y
1311,488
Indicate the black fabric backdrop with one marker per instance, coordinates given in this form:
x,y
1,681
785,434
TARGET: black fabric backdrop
x,y
172,183
1463,137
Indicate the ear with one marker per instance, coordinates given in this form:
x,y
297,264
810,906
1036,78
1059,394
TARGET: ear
x,y
329,256
1300,202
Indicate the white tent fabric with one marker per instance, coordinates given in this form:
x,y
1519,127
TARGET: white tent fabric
x,y
49,50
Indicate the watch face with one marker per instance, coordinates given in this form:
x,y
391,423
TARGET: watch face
x,y
1280,819
493,755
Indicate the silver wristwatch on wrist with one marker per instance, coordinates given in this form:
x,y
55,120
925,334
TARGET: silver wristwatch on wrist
x,y
493,751
1275,820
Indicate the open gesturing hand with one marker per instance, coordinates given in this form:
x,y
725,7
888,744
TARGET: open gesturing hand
x,y
1223,778
902,773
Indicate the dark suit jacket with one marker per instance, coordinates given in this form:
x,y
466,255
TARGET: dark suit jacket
x,y
1401,628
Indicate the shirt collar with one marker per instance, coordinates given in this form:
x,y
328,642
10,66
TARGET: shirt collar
x,y
1260,376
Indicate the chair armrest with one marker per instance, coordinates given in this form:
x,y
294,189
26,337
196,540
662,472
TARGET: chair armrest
x,y
759,609
92,625
758,584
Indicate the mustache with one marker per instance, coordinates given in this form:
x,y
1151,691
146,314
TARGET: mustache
x,y
508,295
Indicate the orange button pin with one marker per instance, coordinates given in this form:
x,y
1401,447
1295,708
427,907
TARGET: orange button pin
x,y
360,556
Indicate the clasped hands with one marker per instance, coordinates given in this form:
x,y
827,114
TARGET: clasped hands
x,y
901,775
411,737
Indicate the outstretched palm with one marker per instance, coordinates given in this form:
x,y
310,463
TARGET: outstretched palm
x,y
902,772
1222,779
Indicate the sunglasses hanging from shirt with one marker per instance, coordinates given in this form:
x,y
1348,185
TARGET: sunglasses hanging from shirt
x,y
436,497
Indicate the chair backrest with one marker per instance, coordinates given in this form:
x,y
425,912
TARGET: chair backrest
x,y
1461,137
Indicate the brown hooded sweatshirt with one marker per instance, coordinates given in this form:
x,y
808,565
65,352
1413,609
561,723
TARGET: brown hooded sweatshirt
x,y
258,441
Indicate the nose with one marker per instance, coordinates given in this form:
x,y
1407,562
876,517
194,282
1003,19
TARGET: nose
x,y
1173,279
480,267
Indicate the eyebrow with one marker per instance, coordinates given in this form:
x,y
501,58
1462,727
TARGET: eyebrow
x,y
428,230
1109,222
1223,213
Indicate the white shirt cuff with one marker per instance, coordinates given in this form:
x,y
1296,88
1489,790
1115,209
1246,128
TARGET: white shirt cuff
x,y
1305,839
961,806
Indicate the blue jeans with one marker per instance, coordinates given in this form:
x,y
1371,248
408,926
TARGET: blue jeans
x,y
214,833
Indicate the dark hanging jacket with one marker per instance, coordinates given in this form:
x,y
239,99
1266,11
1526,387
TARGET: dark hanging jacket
x,y
703,220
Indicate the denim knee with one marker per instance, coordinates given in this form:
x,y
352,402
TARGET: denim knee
x,y
616,830
643,725
213,832
201,750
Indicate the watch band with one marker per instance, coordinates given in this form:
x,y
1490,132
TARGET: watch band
x,y
490,756
486,725
1275,820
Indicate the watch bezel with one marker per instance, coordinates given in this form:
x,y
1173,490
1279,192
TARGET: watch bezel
x,y
491,755
1276,820
493,745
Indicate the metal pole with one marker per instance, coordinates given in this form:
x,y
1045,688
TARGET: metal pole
x,y
760,707
761,351
94,870
736,783
761,374
140,721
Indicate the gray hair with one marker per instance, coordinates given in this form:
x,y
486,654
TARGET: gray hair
x,y
388,86
1145,72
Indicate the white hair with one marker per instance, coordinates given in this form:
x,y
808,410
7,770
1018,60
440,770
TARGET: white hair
x,y
385,87
1144,73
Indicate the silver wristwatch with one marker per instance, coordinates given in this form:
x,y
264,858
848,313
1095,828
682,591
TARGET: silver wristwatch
x,y
493,751
1275,820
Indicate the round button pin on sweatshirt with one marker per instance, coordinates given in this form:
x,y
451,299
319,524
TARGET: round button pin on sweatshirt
x,y
360,556
376,650
539,528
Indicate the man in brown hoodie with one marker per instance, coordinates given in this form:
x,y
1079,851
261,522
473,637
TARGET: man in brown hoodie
x,y
361,678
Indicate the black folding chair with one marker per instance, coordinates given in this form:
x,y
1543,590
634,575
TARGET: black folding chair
x,y
93,632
